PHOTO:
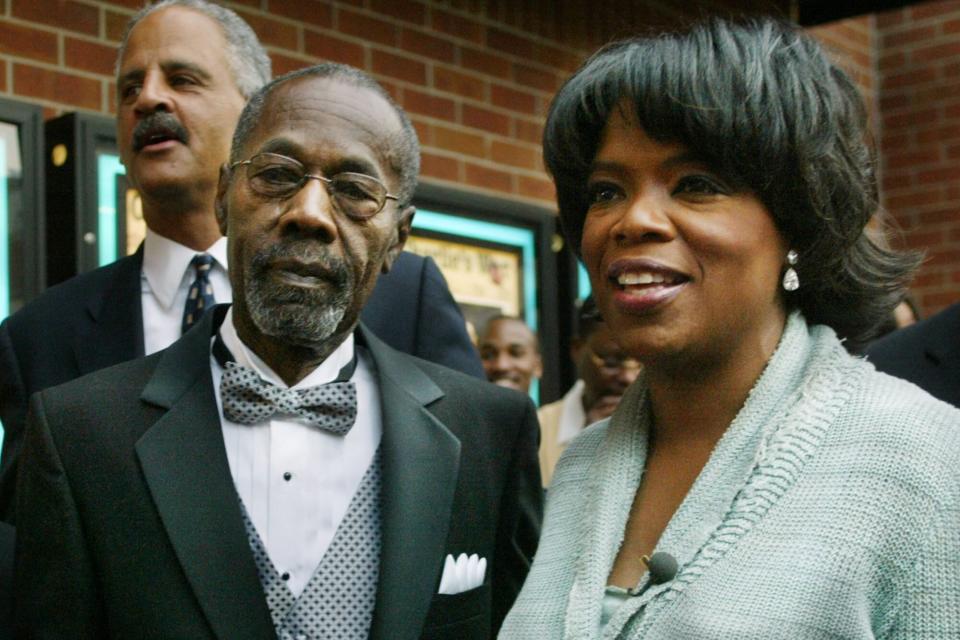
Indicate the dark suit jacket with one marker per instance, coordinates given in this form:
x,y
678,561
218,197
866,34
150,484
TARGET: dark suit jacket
x,y
6,580
95,320
134,529
926,353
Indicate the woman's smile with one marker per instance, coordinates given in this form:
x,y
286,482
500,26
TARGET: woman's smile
x,y
641,285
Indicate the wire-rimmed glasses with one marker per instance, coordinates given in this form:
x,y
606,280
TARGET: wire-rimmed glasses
x,y
272,175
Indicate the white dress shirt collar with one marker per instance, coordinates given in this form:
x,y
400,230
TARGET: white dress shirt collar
x,y
166,261
325,372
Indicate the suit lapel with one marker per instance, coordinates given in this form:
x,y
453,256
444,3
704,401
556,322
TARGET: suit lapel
x,y
421,460
186,469
115,333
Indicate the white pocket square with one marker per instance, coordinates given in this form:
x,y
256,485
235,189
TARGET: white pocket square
x,y
462,574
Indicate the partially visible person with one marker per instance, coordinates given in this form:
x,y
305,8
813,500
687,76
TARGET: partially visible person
x,y
510,353
906,313
185,68
279,471
604,372
903,315
757,480
926,353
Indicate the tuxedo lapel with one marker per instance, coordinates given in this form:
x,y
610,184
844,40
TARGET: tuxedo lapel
x,y
186,469
115,332
421,461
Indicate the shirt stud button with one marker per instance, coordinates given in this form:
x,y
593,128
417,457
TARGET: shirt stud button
x,y
285,576
287,476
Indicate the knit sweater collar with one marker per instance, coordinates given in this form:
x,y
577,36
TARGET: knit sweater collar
x,y
757,460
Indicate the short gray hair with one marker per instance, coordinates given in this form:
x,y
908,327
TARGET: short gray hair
x,y
401,148
248,61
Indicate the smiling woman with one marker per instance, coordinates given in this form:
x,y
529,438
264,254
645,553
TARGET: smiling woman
x,y
716,184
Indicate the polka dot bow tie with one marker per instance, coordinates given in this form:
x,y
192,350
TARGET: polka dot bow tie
x,y
248,399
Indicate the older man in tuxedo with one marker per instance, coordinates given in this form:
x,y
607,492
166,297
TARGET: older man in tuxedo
x,y
279,469
184,71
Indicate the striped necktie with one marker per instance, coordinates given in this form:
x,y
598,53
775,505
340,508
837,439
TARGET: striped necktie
x,y
200,297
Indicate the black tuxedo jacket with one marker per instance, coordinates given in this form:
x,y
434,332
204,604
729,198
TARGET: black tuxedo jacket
x,y
926,353
95,320
6,580
134,529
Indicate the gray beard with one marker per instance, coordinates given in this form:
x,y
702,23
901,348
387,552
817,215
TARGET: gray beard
x,y
296,315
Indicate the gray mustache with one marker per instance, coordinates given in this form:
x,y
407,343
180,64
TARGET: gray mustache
x,y
306,252
158,122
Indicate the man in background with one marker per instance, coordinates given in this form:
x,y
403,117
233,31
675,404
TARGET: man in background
x,y
185,68
510,353
184,72
604,373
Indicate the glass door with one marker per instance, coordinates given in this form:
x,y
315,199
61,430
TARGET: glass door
x,y
21,201
86,188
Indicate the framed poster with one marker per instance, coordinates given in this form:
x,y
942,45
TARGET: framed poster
x,y
497,258
489,267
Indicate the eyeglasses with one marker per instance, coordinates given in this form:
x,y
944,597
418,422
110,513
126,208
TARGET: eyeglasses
x,y
272,175
614,363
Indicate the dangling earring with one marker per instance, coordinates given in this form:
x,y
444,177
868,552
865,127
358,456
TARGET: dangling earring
x,y
791,281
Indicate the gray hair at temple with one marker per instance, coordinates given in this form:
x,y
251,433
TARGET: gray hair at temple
x,y
760,103
401,148
246,57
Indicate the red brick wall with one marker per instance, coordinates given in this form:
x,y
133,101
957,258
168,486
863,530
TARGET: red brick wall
x,y
852,43
475,75
919,96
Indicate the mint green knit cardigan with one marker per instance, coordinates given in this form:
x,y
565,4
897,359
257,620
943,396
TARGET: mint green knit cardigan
x,y
829,509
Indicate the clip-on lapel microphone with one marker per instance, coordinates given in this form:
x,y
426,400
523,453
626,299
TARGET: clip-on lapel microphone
x,y
662,568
